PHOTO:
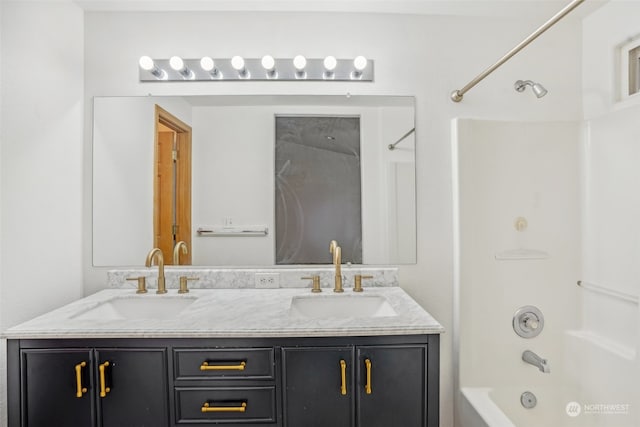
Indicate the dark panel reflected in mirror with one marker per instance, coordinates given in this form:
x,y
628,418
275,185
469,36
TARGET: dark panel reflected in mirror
x,y
318,189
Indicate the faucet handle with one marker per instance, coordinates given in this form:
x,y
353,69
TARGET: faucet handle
x,y
357,285
531,323
142,284
316,283
183,284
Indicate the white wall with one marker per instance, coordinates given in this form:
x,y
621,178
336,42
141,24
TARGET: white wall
x,y
424,56
41,148
610,332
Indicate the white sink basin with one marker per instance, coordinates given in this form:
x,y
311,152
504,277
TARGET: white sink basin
x,y
138,307
341,306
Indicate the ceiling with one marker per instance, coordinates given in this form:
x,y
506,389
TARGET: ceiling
x,y
542,9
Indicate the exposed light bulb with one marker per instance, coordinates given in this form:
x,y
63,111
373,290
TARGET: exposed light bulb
x,y
206,63
146,63
268,63
330,63
360,63
299,62
237,62
176,63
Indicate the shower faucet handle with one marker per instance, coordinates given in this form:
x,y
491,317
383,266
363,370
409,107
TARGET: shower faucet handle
x,y
531,322
528,321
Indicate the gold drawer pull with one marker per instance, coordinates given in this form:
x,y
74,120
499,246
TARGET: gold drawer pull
x,y
79,389
367,386
207,408
206,367
103,385
343,376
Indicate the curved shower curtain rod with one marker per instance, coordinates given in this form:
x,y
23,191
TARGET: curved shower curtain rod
x,y
457,95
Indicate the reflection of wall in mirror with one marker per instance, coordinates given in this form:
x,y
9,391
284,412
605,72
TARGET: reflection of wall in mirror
x,y
400,170
233,177
123,152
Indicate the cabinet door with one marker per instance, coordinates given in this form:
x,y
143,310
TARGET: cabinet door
x,y
132,388
392,386
318,386
57,388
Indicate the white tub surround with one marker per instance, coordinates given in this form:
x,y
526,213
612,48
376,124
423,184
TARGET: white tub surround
x,y
231,313
244,278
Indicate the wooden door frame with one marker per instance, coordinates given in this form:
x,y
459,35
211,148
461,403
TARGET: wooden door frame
x,y
184,133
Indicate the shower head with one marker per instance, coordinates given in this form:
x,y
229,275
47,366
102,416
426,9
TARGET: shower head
x,y
537,88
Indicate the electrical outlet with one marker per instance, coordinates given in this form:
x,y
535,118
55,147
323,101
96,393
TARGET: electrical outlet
x,y
267,280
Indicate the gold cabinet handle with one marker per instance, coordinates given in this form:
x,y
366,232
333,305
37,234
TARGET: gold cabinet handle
x,y
239,367
207,408
343,376
367,386
79,389
103,386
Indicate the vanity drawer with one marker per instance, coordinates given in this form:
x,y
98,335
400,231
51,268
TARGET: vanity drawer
x,y
226,405
240,363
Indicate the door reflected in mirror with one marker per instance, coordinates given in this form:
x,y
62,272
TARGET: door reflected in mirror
x,y
234,184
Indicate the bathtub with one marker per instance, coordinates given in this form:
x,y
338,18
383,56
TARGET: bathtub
x,y
501,407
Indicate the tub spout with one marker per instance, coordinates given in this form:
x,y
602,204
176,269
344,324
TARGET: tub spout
x,y
535,360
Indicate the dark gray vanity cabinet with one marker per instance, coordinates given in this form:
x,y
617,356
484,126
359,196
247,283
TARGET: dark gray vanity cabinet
x,y
56,386
377,381
391,386
138,390
225,386
87,387
363,386
318,386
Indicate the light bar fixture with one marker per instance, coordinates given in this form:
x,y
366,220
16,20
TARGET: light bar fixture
x,y
298,68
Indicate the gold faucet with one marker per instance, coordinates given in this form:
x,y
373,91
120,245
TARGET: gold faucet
x,y
157,254
176,251
337,262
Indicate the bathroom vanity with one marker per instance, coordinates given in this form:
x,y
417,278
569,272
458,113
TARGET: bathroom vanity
x,y
227,357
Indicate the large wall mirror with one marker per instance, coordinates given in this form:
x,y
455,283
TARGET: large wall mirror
x,y
227,148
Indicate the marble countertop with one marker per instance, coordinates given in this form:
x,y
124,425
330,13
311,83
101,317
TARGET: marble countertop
x,y
229,313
